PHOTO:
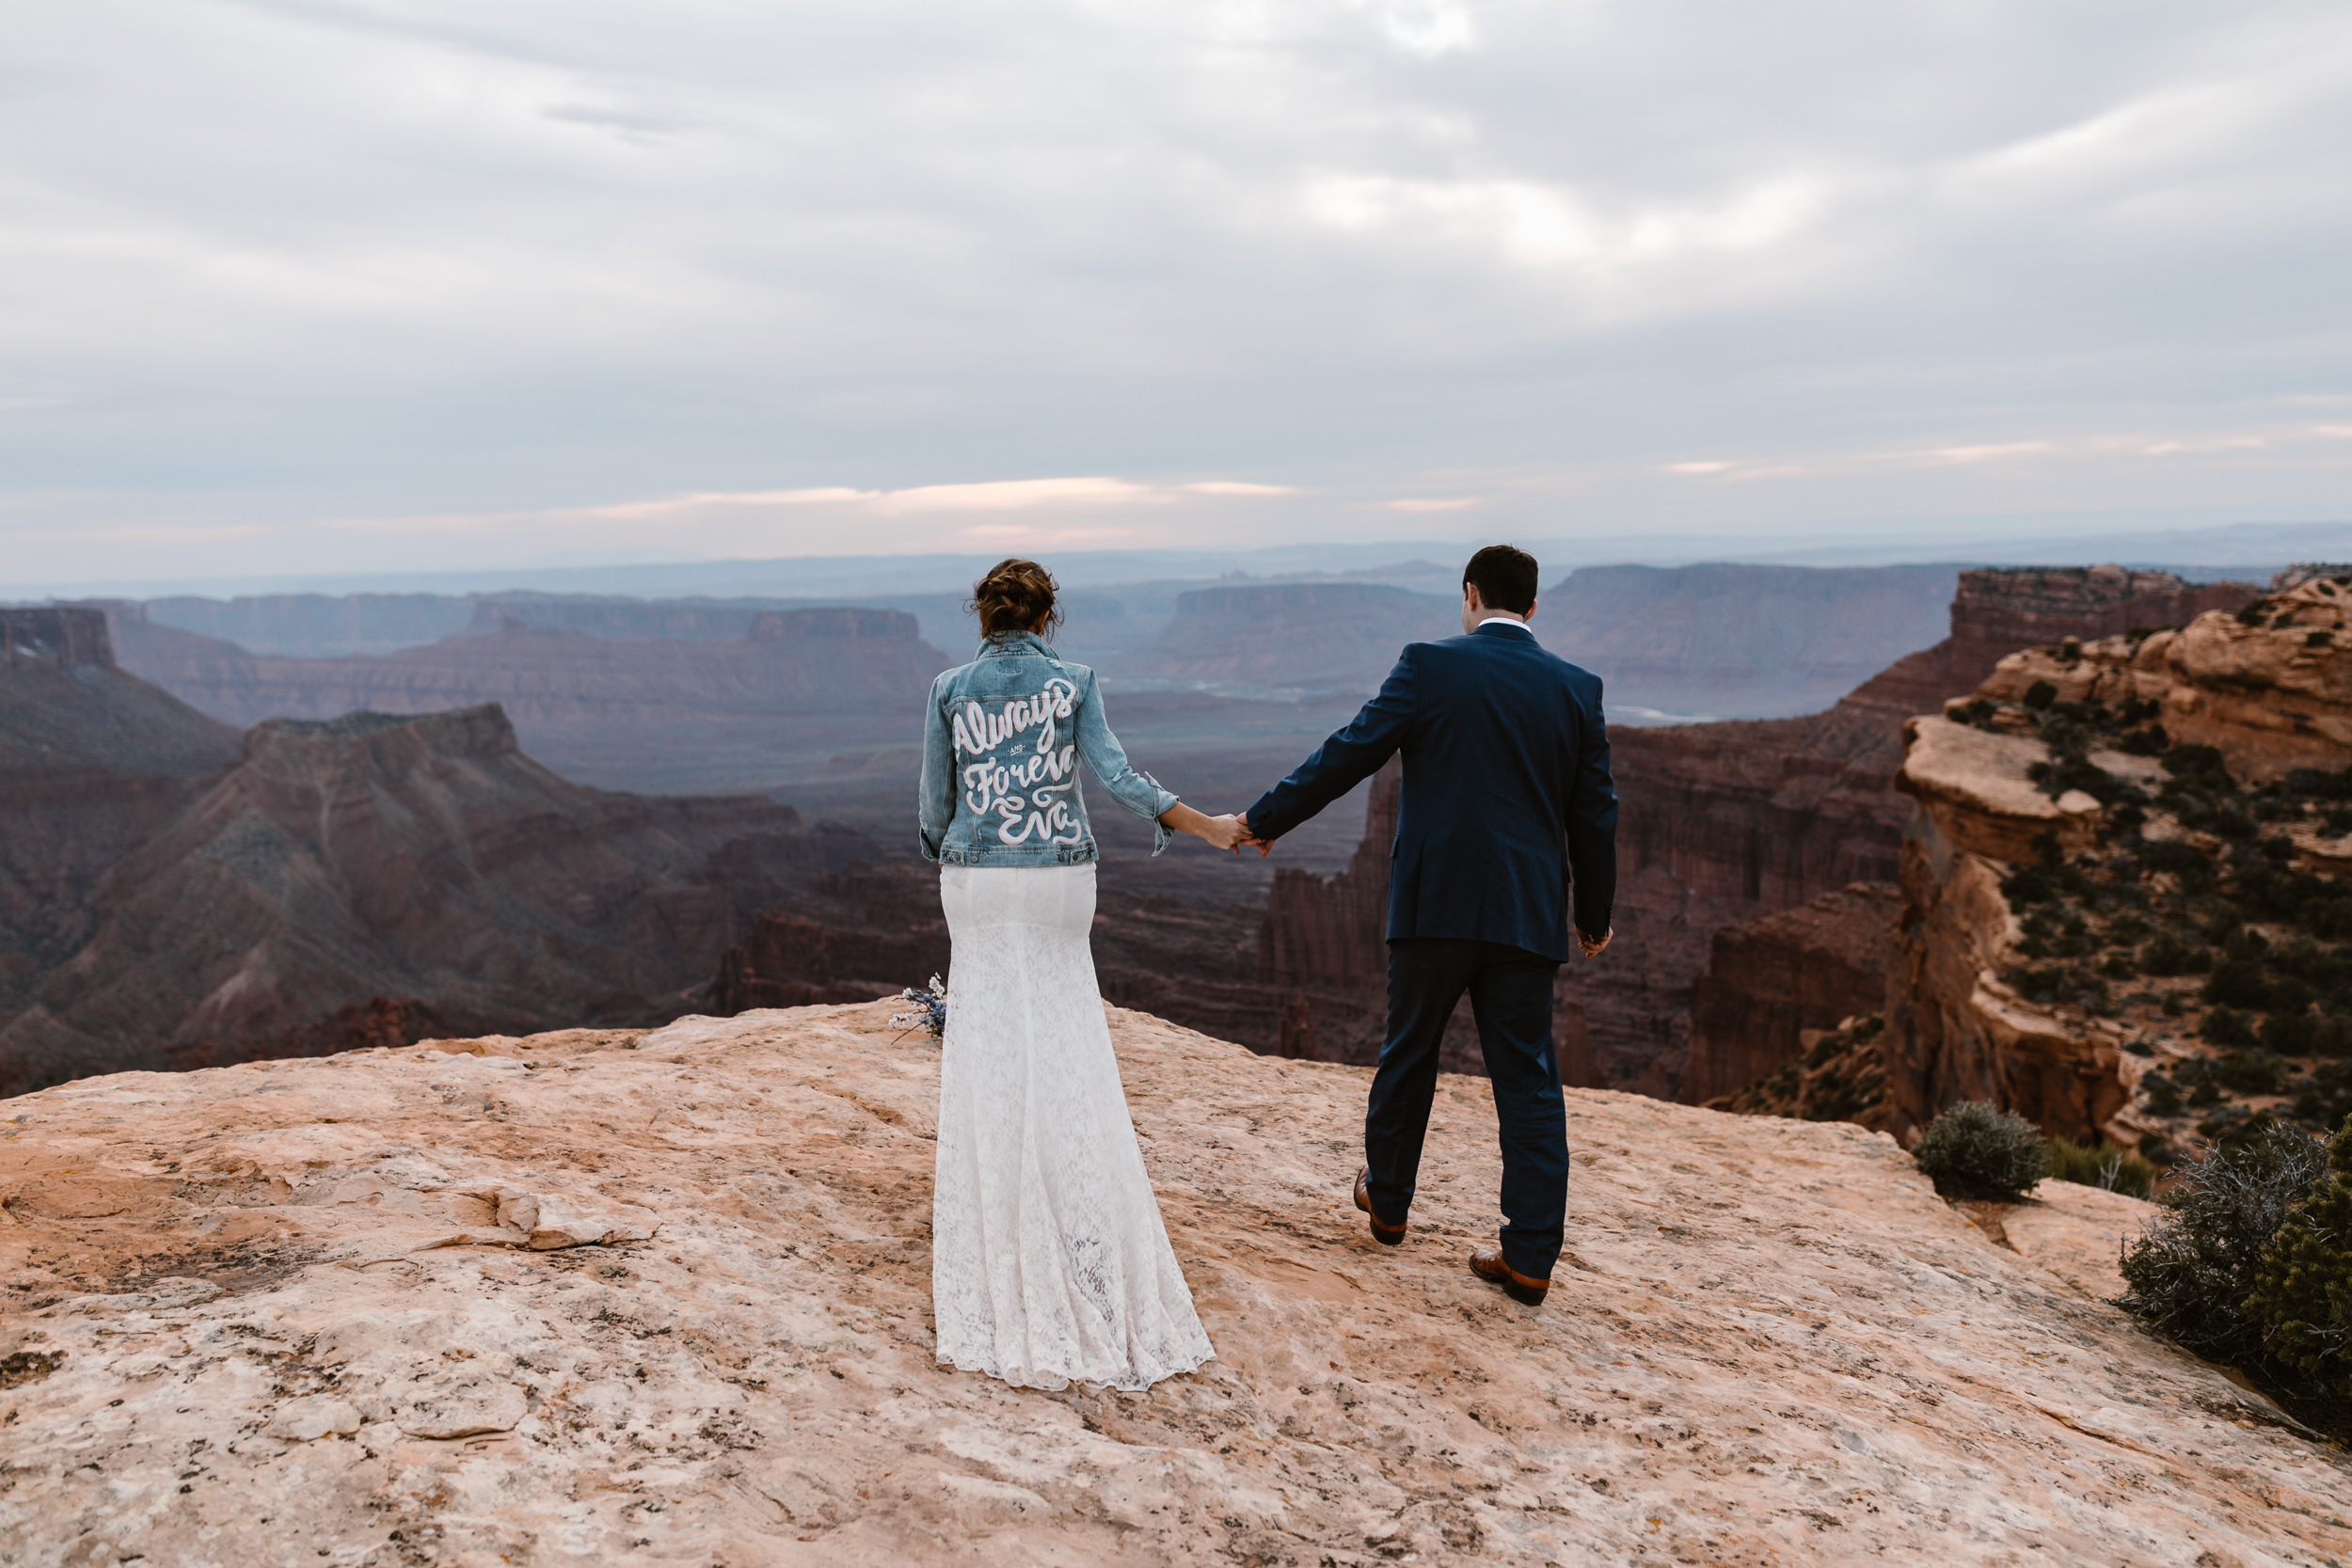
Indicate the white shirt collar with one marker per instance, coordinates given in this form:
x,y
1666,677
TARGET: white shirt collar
x,y
1505,621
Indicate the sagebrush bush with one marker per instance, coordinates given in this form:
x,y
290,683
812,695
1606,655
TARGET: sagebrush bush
x,y
1973,1151
2111,1167
2189,1273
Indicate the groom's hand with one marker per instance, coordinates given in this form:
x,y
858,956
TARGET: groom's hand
x,y
1265,845
1593,945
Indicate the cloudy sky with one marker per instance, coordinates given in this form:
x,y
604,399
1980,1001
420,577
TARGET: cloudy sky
x,y
400,284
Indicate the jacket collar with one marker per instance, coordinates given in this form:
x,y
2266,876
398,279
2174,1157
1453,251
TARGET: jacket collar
x,y
1013,644
1503,629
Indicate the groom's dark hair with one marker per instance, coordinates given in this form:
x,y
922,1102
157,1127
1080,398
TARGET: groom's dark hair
x,y
1505,577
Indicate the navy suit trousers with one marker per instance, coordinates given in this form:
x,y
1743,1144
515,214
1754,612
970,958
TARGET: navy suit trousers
x,y
1510,991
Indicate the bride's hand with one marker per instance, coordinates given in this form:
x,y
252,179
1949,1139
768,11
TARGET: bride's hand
x,y
1224,832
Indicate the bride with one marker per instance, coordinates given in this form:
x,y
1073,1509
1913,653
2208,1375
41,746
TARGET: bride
x,y
1049,1262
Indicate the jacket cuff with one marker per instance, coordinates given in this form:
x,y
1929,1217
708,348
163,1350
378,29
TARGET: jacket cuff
x,y
1162,834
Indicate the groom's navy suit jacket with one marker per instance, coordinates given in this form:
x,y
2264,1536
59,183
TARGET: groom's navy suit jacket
x,y
1506,791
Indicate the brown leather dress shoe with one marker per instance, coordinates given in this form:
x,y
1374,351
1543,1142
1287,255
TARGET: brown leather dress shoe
x,y
1387,1235
1486,1263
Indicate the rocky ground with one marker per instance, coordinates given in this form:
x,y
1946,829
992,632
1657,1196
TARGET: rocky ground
x,y
612,1298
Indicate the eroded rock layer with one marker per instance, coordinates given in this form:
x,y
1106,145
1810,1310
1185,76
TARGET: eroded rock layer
x,y
2128,857
418,869
1770,980
593,1298
91,761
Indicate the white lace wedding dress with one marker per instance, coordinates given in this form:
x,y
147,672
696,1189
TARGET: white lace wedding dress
x,y
1049,1262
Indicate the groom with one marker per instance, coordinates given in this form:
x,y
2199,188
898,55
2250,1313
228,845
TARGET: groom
x,y
1507,792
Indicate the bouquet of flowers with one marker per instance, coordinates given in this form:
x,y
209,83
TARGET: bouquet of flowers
x,y
929,1012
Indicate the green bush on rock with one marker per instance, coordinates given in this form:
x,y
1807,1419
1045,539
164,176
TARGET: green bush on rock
x,y
1974,1151
2111,1167
2302,1295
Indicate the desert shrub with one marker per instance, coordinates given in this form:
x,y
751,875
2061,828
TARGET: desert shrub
x,y
2163,1095
2110,1167
1972,1150
2039,695
2201,767
2331,1036
2064,936
2187,1276
2168,954
2029,884
2238,983
2268,891
2224,821
2119,967
1979,712
2076,771
2290,1033
2306,961
2254,614
2227,1026
2301,1300
2149,742
2192,866
2325,1098
2250,1072
2320,785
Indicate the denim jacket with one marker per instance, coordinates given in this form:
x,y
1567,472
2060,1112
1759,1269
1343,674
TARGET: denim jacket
x,y
1001,745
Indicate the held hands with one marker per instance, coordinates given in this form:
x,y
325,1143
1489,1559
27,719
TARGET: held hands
x,y
1223,832
1228,833
1265,845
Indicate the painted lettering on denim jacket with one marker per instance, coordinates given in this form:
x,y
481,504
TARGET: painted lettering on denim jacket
x,y
1029,791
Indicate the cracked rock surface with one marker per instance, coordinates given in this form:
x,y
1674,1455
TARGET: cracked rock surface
x,y
664,1298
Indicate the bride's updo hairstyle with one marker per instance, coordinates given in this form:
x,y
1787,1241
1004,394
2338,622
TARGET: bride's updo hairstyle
x,y
1012,597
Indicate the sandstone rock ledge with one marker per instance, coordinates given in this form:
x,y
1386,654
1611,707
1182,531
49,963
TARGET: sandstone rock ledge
x,y
364,1311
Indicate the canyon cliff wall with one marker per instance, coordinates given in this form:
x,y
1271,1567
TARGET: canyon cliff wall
x,y
1771,979
1998,610
91,761
2122,866
336,870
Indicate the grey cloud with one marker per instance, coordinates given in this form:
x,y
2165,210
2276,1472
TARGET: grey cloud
x,y
286,260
